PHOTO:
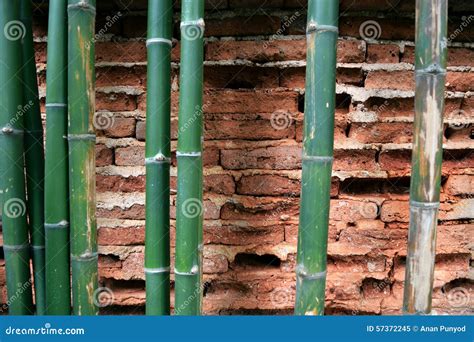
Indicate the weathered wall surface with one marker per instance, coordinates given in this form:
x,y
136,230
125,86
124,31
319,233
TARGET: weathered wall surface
x,y
254,96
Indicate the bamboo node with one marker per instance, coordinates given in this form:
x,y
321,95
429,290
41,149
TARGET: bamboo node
x,y
83,5
16,248
85,256
56,105
59,225
158,41
38,247
188,154
157,270
301,272
8,130
433,69
194,271
313,27
158,159
321,159
424,205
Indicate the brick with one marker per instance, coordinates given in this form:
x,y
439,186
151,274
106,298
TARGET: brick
x,y
295,77
120,127
115,102
104,156
270,185
395,132
243,26
349,51
236,77
121,236
256,3
352,160
229,234
395,211
383,53
399,80
123,76
460,185
121,52
130,156
280,158
237,129
259,208
220,184
120,184
215,264
460,81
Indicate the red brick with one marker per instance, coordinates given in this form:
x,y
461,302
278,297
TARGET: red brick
x,y
229,234
233,129
395,211
120,184
400,80
243,26
281,158
236,77
349,51
121,236
271,185
295,77
353,160
123,76
130,156
220,184
120,127
120,52
115,102
383,53
460,185
460,81
104,156
394,132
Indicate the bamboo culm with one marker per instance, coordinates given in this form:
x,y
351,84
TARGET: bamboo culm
x,y
322,34
58,287
430,74
81,142
34,158
158,157
189,209
12,178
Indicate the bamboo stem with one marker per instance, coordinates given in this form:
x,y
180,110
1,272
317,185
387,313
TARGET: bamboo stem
x,y
189,209
81,137
430,71
158,157
322,33
58,287
34,158
12,179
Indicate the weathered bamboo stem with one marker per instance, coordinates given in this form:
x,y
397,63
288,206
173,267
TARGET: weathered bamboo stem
x,y
81,137
322,33
34,158
58,287
158,157
430,66
189,207
12,178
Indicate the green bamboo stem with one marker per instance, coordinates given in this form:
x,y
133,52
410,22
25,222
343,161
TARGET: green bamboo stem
x,y
158,157
34,158
12,179
189,209
81,137
58,287
322,33
430,71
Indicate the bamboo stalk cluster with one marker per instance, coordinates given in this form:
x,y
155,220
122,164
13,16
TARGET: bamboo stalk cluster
x,y
48,201
42,193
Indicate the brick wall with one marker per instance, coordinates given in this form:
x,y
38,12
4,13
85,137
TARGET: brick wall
x,y
254,97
